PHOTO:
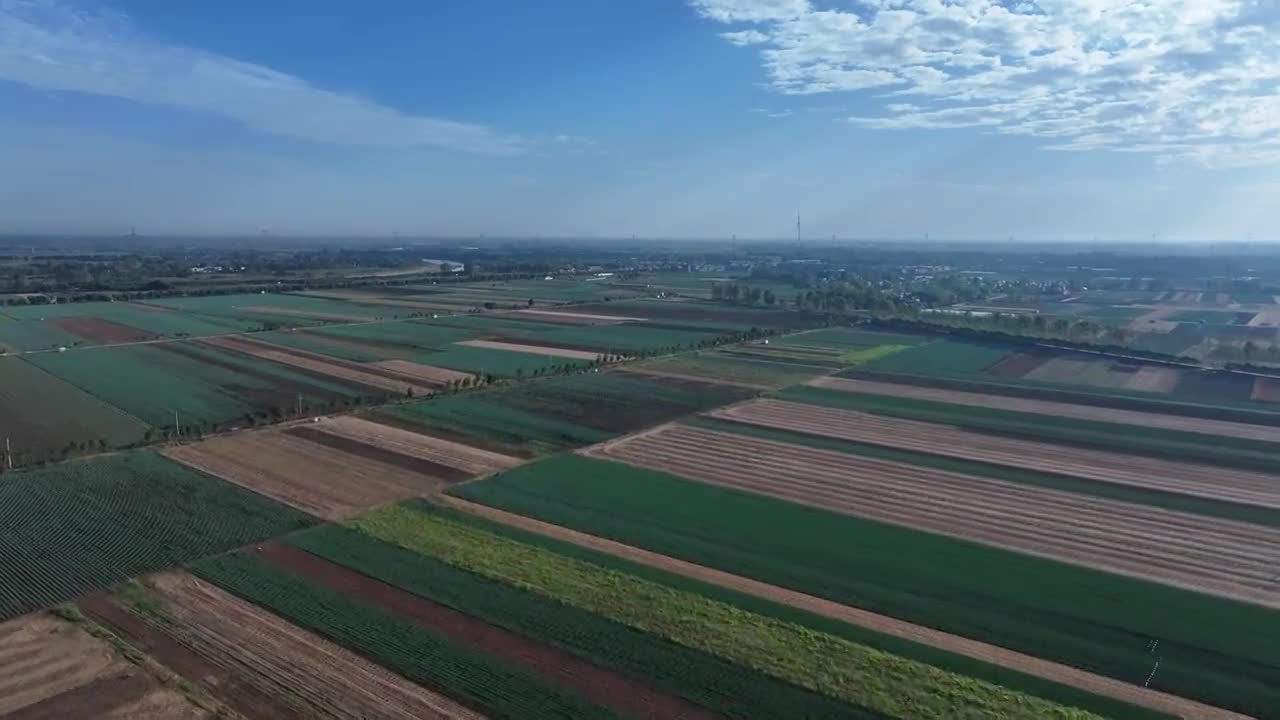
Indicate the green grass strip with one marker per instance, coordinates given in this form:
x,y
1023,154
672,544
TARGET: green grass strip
x,y
504,691
858,357
1112,491
729,689
824,663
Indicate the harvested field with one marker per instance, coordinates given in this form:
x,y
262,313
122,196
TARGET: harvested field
x,y
1237,486
470,460
1266,389
319,677
429,374
575,318
340,369
1090,682
1018,364
628,697
319,480
42,657
532,349
101,331
1229,559
332,317
1153,378
1046,407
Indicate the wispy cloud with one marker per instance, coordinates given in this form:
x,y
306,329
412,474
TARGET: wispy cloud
x,y
61,46
1194,79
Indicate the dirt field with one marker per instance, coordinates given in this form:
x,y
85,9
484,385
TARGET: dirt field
x,y
1203,554
316,479
333,317
627,696
101,331
51,669
1236,486
316,363
321,678
429,374
1018,364
532,349
1153,378
1028,664
1060,409
470,460
573,318
1265,389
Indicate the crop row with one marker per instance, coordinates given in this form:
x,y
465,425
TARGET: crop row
x,y
79,526
475,679
826,664
701,678
1089,619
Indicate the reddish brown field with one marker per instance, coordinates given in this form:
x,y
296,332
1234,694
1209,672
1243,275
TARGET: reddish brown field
x,y
101,331
1221,557
428,374
316,676
314,478
629,697
471,461
1266,390
314,362
1064,674
51,669
1060,409
1018,364
1236,486
531,349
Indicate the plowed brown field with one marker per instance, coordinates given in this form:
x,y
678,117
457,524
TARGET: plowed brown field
x,y
320,480
1199,480
1060,409
429,374
322,678
101,331
315,362
470,460
1064,674
1210,555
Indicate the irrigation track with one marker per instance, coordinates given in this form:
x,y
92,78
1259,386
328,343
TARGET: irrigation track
x,y
1236,486
1063,674
1058,409
1221,557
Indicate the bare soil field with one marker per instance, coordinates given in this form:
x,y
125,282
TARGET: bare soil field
x,y
316,479
1048,407
1064,674
429,374
1210,555
1238,486
319,677
471,461
332,317
51,669
1018,364
1153,378
1265,389
352,372
629,697
101,331
531,349
575,318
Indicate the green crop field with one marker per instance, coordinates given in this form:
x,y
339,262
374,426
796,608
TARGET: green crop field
x,y
828,665
1230,655
732,690
81,526
499,687
316,343
845,339
715,365
943,357
410,334
499,363
1134,439
24,335
40,414
482,418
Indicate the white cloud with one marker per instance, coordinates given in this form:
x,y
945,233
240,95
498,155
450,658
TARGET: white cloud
x,y
1186,79
53,45
745,37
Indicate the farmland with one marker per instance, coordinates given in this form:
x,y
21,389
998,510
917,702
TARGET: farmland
x,y
1083,617
82,525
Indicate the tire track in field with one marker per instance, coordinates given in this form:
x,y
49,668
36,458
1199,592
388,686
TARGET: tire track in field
x,y
1038,667
1221,557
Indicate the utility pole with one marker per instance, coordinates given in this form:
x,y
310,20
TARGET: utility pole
x,y
299,404
797,228
8,454
177,429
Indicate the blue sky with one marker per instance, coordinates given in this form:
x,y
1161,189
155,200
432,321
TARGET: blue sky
x,y
1037,119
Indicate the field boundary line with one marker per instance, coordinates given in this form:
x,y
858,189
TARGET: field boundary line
x,y
1038,667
